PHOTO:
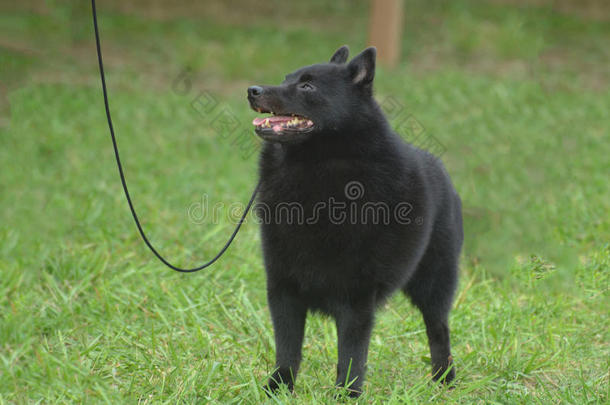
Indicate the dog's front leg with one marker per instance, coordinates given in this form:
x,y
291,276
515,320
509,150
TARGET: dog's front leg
x,y
354,325
288,315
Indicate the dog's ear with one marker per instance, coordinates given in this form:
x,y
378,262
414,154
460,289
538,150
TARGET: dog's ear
x,y
340,55
362,67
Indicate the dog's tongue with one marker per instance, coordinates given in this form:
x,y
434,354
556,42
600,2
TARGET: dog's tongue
x,y
274,119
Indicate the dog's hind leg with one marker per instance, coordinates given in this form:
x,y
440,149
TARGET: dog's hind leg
x,y
431,289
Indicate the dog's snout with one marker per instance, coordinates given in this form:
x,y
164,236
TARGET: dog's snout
x,y
255,91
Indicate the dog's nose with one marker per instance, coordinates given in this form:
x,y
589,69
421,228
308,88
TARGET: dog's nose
x,y
254,91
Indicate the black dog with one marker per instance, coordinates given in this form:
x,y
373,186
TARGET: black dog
x,y
350,213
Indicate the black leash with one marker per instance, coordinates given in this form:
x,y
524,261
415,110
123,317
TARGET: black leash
x,y
118,162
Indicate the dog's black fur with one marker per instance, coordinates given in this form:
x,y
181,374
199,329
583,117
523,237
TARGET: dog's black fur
x,y
348,268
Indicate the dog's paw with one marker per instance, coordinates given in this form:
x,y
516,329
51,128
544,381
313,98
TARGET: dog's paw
x,y
346,393
444,374
343,392
278,380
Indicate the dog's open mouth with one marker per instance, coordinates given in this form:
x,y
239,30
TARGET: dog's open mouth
x,y
282,124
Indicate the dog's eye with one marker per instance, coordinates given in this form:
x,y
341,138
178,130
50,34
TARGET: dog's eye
x,y
306,86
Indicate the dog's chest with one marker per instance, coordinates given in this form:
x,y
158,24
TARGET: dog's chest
x,y
308,216
313,189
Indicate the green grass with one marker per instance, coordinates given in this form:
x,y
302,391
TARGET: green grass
x,y
517,97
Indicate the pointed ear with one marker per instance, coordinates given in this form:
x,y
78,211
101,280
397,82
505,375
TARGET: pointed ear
x,y
340,56
362,67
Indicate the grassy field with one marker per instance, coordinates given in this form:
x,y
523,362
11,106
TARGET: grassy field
x,y
516,99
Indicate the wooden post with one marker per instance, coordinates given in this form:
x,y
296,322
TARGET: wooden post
x,y
385,30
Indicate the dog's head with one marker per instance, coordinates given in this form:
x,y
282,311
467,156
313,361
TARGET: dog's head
x,y
317,99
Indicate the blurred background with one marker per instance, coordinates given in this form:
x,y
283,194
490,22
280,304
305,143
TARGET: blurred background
x,y
512,94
